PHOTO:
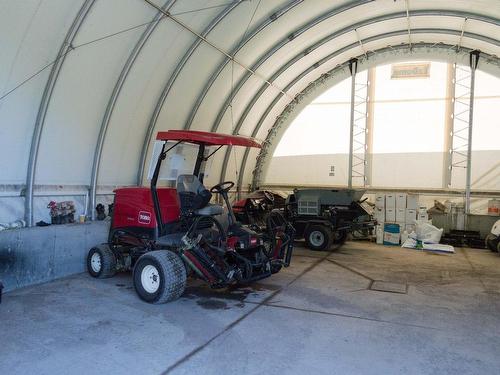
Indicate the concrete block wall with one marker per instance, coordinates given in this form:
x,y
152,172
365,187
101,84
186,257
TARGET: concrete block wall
x,y
34,255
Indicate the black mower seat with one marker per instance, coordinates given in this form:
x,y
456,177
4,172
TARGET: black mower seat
x,y
194,196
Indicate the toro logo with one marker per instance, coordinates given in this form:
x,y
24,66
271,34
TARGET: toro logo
x,y
144,217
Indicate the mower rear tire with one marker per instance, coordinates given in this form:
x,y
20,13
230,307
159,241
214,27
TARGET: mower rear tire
x,y
339,238
318,237
159,276
101,262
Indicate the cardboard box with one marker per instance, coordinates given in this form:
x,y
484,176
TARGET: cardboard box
x,y
411,215
423,217
401,200
390,215
379,214
380,200
412,201
390,200
400,215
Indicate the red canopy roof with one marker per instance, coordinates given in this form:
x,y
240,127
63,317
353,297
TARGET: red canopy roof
x,y
207,138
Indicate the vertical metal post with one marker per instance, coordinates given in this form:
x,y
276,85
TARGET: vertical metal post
x,y
448,126
473,61
353,67
370,111
359,131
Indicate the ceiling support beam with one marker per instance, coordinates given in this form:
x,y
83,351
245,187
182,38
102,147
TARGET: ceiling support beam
x,y
170,83
65,48
231,57
262,59
168,86
221,67
268,54
112,102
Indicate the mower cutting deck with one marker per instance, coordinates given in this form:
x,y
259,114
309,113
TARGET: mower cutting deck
x,y
165,234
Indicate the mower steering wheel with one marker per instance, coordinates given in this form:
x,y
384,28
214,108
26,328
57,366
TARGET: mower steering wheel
x,y
223,187
269,196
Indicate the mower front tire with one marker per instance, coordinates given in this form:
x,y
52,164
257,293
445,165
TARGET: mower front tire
x,y
101,262
159,276
318,237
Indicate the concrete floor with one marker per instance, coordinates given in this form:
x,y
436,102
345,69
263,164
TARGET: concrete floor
x,y
319,316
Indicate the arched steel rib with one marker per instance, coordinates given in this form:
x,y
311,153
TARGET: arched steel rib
x,y
112,102
170,83
65,48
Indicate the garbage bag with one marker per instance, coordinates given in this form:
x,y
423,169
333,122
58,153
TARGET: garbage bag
x,y
427,233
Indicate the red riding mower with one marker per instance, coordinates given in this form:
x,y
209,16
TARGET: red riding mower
x,y
166,234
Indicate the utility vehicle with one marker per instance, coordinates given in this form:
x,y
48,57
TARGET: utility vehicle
x,y
165,234
325,217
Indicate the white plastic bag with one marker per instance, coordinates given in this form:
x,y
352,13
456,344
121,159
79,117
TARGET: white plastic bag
x,y
428,233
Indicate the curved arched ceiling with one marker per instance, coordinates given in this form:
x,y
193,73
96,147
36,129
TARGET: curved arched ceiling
x,y
85,84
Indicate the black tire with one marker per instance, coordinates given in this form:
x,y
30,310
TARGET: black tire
x,y
318,237
101,262
339,237
275,268
490,242
167,274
